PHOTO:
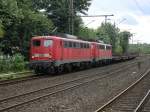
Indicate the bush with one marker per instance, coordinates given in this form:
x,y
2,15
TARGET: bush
x,y
18,63
15,63
3,66
118,50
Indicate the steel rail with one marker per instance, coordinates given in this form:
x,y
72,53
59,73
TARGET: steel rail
x,y
143,102
123,92
68,88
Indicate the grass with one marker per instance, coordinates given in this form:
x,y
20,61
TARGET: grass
x,y
10,66
15,75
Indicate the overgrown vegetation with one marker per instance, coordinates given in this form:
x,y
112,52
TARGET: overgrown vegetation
x,y
15,63
140,48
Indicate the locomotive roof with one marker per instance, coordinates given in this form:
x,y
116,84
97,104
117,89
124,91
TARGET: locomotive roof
x,y
56,37
69,39
102,43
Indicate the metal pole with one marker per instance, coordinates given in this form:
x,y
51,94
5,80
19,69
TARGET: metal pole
x,y
105,19
69,18
72,16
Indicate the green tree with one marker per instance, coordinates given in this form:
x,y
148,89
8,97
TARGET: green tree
x,y
87,33
124,40
59,12
21,21
1,30
109,34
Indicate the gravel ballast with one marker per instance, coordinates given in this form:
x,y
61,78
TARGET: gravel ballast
x,y
85,98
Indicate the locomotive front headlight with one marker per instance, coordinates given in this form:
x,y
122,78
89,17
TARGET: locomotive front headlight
x,y
41,55
50,56
32,57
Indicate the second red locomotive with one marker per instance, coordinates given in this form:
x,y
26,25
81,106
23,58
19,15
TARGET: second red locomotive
x,y
51,54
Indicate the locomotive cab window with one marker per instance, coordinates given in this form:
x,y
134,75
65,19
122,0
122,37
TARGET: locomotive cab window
x,y
36,43
48,43
108,47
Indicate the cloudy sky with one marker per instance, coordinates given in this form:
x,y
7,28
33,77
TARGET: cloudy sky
x,y
130,15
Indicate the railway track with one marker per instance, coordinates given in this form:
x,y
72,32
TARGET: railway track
x,y
132,99
19,100
145,105
35,77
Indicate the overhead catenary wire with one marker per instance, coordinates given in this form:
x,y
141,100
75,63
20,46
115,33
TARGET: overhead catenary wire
x,y
138,6
105,15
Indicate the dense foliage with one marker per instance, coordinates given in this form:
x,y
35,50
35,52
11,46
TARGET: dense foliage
x,y
124,40
140,48
15,63
19,22
22,19
110,34
87,33
59,11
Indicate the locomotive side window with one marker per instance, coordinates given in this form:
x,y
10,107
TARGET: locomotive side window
x,y
70,44
77,45
88,46
74,44
84,45
48,43
36,43
81,45
98,46
101,47
66,44
108,47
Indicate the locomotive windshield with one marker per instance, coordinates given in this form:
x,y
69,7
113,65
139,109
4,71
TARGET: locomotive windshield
x,y
48,43
36,43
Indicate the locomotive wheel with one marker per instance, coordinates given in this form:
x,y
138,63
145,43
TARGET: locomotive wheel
x,y
100,63
51,70
86,65
68,68
38,71
60,69
82,66
89,65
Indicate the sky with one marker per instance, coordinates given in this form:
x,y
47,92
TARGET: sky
x,y
129,15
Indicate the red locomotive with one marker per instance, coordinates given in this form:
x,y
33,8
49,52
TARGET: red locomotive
x,y
54,53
